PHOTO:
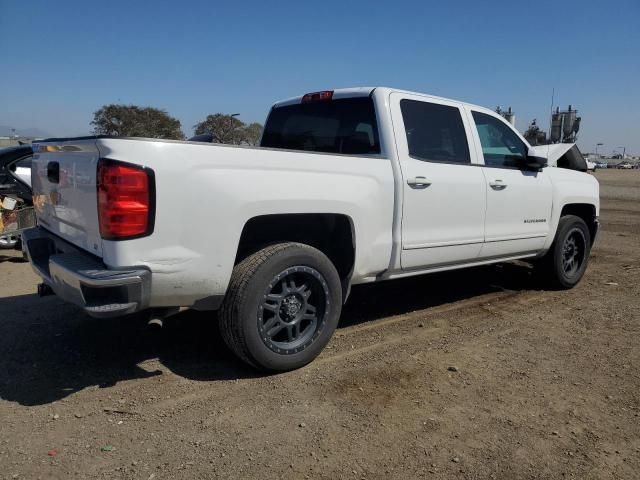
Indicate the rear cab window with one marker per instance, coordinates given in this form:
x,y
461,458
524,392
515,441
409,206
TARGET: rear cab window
x,y
345,126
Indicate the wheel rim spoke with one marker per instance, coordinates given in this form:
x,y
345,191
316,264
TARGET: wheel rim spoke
x,y
270,323
271,307
275,297
275,330
568,265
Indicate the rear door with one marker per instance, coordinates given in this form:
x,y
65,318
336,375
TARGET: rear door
x,y
518,200
64,190
443,191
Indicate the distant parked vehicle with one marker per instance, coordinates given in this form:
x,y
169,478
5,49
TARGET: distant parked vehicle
x,y
601,165
591,166
626,165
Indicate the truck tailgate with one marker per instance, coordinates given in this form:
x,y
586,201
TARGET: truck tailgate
x,y
64,177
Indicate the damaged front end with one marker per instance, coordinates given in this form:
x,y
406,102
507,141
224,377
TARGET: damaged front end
x,y
562,155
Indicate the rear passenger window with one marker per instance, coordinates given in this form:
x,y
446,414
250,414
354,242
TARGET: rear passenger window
x,y
434,132
346,126
501,147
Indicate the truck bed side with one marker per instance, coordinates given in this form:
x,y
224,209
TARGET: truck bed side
x,y
206,193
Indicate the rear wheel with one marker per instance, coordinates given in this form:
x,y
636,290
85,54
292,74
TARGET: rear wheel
x,y
282,306
566,261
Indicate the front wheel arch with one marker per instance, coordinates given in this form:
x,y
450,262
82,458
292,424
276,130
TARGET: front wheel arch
x,y
587,212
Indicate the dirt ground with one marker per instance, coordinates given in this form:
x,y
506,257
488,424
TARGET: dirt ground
x,y
469,374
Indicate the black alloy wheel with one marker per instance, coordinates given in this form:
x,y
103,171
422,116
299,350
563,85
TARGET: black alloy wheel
x,y
573,252
282,306
566,261
294,309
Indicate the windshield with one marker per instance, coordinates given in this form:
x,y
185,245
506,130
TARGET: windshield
x,y
345,126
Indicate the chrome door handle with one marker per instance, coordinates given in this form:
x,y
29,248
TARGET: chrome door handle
x,y
498,185
418,182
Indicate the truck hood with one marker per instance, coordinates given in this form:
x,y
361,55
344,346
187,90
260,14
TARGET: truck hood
x,y
563,155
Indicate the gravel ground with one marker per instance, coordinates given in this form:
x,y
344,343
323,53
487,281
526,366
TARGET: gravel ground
x,y
471,374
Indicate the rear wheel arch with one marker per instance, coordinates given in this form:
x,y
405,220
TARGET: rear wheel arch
x,y
333,234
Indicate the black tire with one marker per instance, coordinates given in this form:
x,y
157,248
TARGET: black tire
x,y
572,240
281,286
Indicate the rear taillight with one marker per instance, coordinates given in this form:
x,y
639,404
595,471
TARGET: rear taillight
x,y
125,200
323,96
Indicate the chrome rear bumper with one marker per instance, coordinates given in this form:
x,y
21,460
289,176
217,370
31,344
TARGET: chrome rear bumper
x,y
81,278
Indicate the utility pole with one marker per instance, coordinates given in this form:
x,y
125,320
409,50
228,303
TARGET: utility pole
x,y
598,145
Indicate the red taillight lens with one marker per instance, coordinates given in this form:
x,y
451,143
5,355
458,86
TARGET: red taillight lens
x,y
323,96
124,200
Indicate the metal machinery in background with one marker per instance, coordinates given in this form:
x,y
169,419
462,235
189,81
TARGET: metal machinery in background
x,y
508,115
564,128
535,135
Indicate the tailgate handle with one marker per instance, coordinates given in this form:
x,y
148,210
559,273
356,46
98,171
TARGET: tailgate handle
x,y
53,172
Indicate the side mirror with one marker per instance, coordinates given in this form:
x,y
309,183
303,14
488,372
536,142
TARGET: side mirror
x,y
533,161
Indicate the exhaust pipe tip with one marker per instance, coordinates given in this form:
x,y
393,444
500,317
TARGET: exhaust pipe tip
x,y
158,315
155,323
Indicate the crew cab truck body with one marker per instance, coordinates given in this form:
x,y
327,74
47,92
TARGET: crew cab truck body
x,y
349,186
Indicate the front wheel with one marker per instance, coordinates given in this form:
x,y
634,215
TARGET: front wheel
x,y
282,306
566,261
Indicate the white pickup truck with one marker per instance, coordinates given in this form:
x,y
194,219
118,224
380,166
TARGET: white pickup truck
x,y
348,186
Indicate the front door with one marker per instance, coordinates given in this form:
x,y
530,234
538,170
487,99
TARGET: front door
x,y
443,191
518,200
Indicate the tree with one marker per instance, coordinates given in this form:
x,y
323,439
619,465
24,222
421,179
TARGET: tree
x,y
134,121
224,128
228,129
253,133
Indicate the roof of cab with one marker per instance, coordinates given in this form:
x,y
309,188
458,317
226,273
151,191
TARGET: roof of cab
x,y
337,94
366,91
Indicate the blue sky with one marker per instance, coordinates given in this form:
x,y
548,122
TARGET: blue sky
x,y
62,60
